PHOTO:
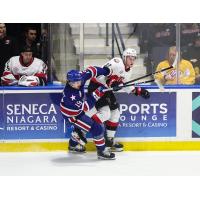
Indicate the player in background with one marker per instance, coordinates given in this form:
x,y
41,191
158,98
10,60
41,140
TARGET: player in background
x,y
75,103
25,70
106,109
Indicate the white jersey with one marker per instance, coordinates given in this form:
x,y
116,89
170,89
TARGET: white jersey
x,y
16,67
117,68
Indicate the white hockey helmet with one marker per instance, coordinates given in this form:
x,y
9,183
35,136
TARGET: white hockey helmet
x,y
29,81
129,52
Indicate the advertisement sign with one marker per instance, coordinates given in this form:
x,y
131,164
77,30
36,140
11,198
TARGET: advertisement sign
x,y
153,117
33,116
195,114
37,116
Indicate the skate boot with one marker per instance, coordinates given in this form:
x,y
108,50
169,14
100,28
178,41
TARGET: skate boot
x,y
113,146
105,155
75,147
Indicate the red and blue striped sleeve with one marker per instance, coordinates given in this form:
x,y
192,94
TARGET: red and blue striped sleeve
x,y
69,111
93,71
89,102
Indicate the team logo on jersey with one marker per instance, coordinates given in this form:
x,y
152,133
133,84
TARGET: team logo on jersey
x,y
73,97
116,60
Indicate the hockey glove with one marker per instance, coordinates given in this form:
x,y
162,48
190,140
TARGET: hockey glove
x,y
29,81
8,79
138,91
98,93
114,81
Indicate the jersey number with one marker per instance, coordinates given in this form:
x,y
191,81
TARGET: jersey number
x,y
78,104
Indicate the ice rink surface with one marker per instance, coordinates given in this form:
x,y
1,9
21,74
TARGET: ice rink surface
x,y
127,163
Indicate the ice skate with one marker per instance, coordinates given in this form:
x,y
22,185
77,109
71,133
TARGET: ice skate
x,y
113,146
77,149
105,155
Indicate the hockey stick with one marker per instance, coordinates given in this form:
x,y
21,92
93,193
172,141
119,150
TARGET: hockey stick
x,y
158,83
126,84
123,86
147,75
161,87
162,70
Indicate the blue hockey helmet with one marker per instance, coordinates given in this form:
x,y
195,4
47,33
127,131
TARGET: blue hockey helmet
x,y
74,75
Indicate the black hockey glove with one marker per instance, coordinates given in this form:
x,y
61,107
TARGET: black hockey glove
x,y
138,91
115,85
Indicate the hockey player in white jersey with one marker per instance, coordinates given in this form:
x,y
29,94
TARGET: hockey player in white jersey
x,y
106,109
24,70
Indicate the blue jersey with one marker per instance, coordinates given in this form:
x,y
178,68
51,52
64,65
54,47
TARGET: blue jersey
x,y
75,101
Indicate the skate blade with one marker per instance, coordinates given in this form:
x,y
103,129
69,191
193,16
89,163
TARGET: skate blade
x,y
113,149
102,158
76,152
116,150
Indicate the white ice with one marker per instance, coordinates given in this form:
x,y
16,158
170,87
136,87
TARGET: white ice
x,y
127,163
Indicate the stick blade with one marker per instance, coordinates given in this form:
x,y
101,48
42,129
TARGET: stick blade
x,y
161,87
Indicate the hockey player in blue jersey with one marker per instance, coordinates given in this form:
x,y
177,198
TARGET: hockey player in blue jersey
x,y
75,103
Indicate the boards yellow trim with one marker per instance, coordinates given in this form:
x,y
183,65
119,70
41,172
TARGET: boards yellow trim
x,y
128,146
